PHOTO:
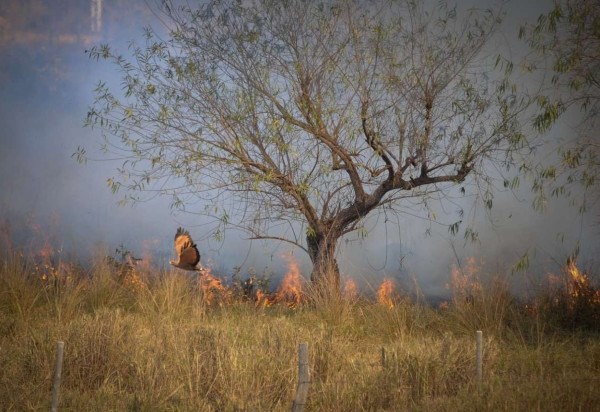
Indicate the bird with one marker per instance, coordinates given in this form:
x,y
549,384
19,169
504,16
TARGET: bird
x,y
187,252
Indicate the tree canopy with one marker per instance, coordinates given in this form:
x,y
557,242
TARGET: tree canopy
x,y
294,120
565,42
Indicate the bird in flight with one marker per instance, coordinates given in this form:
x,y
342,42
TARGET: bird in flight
x,y
187,252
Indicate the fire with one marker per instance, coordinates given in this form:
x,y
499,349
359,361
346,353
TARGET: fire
x,y
573,295
48,265
578,285
44,267
132,280
350,290
46,251
387,294
577,282
290,289
262,299
212,287
146,264
129,273
465,282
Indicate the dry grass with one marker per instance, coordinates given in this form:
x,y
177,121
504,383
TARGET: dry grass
x,y
155,344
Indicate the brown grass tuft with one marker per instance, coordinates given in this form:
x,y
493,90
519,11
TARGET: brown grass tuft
x,y
163,346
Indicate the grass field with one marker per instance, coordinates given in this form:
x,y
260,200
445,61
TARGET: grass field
x,y
159,342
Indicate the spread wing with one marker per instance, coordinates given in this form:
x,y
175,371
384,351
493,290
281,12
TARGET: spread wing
x,y
190,256
186,248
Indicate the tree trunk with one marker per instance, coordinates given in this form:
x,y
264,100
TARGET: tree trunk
x,y
325,276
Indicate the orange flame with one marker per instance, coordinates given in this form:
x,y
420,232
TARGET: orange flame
x,y
212,287
132,280
262,299
146,264
577,282
350,290
465,282
290,289
46,251
578,285
46,258
387,294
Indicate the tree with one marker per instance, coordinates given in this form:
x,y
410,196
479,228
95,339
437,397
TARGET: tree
x,y
565,43
295,120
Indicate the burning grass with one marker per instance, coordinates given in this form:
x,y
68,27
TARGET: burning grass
x,y
169,341
569,300
387,294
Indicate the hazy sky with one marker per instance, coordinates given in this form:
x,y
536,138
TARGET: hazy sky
x,y
46,87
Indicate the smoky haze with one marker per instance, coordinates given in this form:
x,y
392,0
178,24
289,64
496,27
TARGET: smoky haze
x,y
46,87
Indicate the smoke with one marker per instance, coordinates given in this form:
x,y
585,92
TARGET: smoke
x,y
46,88
415,258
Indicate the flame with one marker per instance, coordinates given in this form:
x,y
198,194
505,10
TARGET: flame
x,y
46,251
133,281
290,289
465,282
577,281
350,290
387,294
212,287
126,271
262,299
578,285
146,264
47,263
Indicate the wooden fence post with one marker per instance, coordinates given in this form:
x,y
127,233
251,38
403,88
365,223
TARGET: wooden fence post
x,y
60,346
479,357
303,378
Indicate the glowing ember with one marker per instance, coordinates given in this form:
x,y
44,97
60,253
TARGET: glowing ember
x,y
350,290
386,294
290,289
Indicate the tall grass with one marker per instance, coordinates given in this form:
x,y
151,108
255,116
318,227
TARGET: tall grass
x,y
156,344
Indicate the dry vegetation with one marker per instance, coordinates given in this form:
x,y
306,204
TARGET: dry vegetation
x,y
153,343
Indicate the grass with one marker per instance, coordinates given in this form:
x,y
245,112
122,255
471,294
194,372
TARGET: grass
x,y
154,343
